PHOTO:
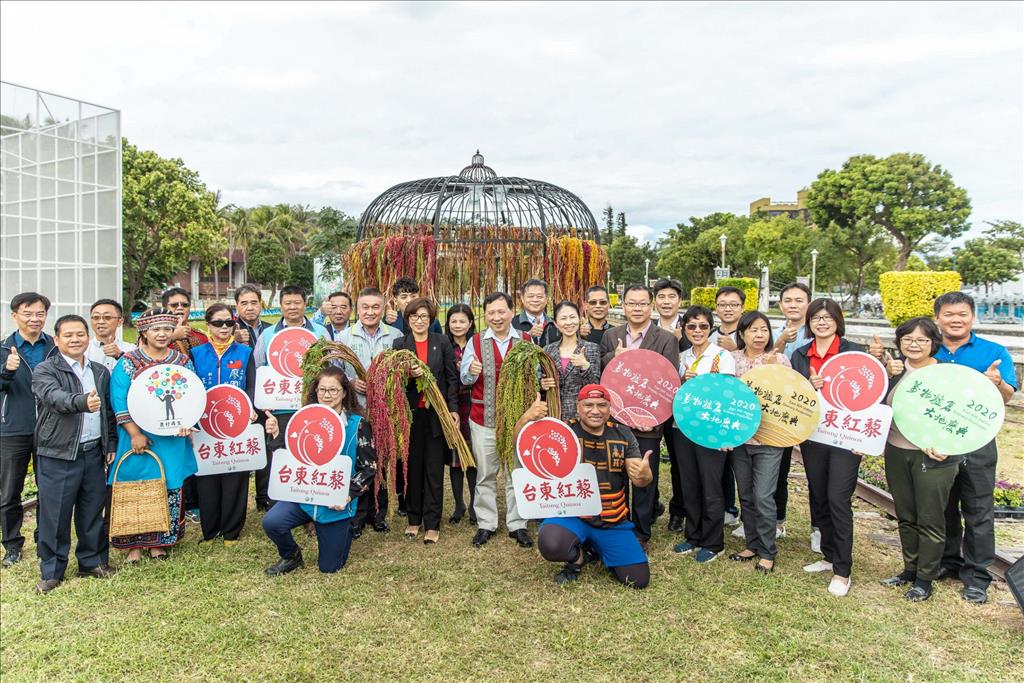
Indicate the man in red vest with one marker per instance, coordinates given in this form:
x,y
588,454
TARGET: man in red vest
x,y
480,369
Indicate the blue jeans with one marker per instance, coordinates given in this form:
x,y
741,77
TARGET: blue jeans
x,y
334,539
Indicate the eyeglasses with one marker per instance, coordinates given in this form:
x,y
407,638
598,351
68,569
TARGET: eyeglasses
x,y
420,317
601,302
636,304
221,323
693,327
32,315
180,304
823,319
327,391
920,343
104,318
728,306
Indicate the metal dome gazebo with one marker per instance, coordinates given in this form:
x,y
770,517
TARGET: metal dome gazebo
x,y
464,236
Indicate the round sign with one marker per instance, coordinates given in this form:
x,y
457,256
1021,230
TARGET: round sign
x,y
287,349
316,435
951,408
642,385
548,448
165,399
853,381
790,408
227,412
717,411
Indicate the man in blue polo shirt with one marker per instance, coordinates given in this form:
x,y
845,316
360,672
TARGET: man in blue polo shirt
x,y
19,355
972,490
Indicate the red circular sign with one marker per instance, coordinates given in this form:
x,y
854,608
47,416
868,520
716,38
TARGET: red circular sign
x,y
315,435
227,412
642,385
287,348
853,381
548,448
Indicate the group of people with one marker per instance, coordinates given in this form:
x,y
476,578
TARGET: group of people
x,y
65,409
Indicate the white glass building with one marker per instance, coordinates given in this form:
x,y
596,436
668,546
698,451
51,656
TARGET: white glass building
x,y
60,201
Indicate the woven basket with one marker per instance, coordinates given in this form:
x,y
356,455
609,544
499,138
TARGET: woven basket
x,y
139,507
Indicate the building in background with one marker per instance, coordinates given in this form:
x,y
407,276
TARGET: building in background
x,y
60,200
797,209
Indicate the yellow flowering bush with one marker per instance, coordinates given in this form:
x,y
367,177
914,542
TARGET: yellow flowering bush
x,y
705,296
908,294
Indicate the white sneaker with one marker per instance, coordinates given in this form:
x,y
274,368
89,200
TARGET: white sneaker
x,y
838,587
819,566
731,519
738,532
780,531
815,540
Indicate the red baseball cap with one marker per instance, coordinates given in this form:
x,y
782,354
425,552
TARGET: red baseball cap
x,y
594,391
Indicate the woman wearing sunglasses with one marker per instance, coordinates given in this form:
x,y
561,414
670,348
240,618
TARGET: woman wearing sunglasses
x,y
222,360
701,469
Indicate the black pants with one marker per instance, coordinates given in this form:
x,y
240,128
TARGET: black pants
x,y
831,481
222,502
972,496
15,455
456,475
643,498
675,505
701,472
558,544
729,486
72,489
189,493
425,491
262,476
782,488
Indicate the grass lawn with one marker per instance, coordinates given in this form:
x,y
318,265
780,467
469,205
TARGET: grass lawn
x,y
402,610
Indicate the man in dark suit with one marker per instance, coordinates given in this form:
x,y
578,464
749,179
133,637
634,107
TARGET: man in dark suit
x,y
640,332
533,296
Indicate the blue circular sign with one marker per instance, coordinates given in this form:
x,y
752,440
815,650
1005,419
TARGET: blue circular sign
x,y
717,411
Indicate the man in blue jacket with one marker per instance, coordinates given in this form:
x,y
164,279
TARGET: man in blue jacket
x,y
20,353
76,439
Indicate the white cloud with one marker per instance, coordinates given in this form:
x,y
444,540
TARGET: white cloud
x,y
663,110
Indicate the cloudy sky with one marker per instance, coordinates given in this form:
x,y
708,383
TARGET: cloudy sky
x,y
663,110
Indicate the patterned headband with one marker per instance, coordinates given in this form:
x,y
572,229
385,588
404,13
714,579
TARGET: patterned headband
x,y
146,322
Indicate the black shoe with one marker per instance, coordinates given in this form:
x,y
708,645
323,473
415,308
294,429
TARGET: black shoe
x,y
11,558
736,557
675,523
481,537
659,510
918,593
356,533
901,579
103,571
570,572
761,569
457,515
975,595
286,565
947,573
46,585
262,507
522,537
381,527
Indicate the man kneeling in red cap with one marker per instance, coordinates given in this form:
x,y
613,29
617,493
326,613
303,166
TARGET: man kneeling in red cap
x,y
613,451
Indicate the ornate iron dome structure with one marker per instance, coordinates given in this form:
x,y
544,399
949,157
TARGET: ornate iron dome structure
x,y
478,197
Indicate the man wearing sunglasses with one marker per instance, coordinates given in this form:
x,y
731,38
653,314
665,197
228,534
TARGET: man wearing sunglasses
x,y
185,337
106,349
595,321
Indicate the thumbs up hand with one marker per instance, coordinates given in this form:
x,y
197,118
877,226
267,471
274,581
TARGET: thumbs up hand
x,y
816,381
639,469
93,402
391,314
788,335
876,349
13,360
619,348
271,425
579,360
993,373
895,367
538,410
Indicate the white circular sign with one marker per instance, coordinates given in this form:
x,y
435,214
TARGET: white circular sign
x,y
165,399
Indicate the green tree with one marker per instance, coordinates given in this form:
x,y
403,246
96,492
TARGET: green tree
x,y
903,194
848,253
1007,235
168,218
268,264
620,225
300,271
690,252
980,262
608,236
333,232
628,260
783,244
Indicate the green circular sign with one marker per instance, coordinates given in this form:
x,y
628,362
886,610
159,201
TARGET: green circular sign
x,y
950,408
716,411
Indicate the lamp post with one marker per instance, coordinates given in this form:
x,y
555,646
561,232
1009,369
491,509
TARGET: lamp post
x,y
814,271
647,272
722,239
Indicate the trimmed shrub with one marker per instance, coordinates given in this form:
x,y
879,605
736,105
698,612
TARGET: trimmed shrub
x,y
705,296
908,294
